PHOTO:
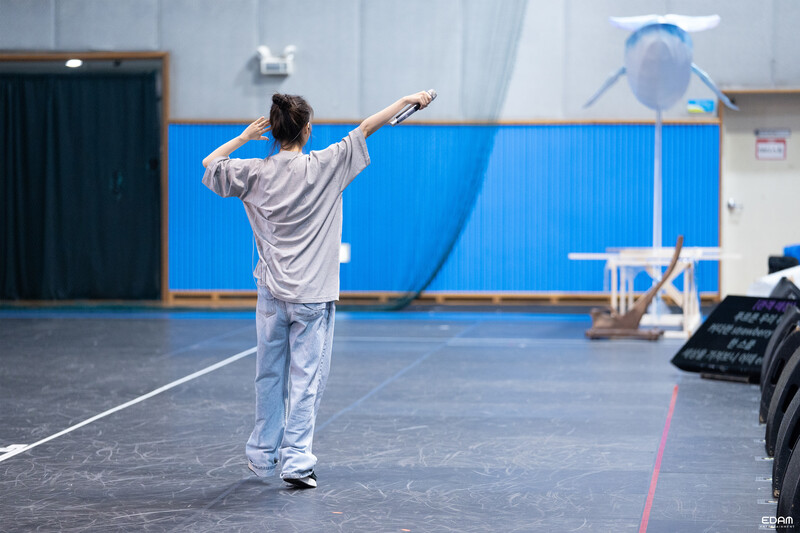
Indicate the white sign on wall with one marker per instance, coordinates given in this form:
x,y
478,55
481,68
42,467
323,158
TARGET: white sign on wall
x,y
344,252
771,149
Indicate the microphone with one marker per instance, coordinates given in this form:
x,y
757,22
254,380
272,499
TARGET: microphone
x,y
409,110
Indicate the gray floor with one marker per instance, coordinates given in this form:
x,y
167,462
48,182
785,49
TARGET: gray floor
x,y
431,422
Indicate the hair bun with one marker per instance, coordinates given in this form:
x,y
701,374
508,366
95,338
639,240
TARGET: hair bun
x,y
280,100
288,115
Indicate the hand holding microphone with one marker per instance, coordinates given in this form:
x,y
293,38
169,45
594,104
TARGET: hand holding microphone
x,y
416,102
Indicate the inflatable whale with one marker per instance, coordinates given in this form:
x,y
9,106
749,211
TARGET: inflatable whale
x,y
658,59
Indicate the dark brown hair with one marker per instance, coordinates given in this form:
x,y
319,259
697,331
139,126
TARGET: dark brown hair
x,y
287,118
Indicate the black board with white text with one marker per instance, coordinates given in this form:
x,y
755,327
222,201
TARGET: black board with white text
x,y
734,337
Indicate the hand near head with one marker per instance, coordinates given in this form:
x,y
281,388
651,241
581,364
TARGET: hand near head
x,y
423,98
253,132
256,130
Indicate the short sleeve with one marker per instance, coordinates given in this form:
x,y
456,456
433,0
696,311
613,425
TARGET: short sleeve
x,y
347,158
231,177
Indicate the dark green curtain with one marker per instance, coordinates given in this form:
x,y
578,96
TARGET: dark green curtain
x,y
80,184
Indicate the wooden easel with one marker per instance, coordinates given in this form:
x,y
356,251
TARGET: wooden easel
x,y
608,324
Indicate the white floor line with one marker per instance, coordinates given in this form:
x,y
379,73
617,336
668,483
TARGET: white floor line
x,y
125,405
12,447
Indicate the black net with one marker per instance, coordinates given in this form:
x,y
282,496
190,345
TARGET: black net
x,y
435,179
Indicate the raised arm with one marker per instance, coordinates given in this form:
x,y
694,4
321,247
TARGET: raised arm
x,y
253,132
374,123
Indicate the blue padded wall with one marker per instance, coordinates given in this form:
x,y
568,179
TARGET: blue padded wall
x,y
210,241
549,190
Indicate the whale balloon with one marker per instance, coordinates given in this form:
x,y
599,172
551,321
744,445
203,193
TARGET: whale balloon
x,y
658,59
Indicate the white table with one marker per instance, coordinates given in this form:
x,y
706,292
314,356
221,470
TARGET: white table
x,y
623,265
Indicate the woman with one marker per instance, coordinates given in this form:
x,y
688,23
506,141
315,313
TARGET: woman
x,y
294,204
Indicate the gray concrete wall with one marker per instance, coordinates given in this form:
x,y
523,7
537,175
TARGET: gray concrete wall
x,y
355,56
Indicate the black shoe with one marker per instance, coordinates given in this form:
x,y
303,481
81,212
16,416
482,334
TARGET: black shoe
x,y
308,482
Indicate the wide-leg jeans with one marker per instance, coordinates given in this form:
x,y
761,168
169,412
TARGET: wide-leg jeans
x,y
292,365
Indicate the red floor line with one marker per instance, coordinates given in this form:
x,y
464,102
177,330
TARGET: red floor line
x,y
657,468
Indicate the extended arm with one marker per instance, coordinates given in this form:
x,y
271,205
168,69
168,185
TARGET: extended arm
x,y
254,131
374,123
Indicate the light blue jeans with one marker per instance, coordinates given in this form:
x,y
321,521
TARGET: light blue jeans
x,y
292,365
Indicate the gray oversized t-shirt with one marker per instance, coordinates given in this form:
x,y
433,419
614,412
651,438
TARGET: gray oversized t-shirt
x,y
294,203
